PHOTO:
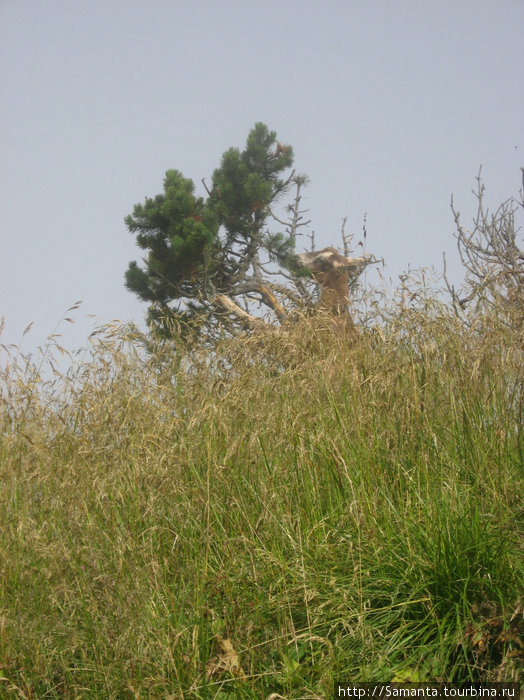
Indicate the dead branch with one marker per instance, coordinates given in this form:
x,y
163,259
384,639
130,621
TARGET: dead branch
x,y
206,187
270,300
230,307
491,257
345,239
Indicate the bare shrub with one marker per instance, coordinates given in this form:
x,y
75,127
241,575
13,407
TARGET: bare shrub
x,y
493,260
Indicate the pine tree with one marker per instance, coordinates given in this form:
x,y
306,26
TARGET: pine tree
x,y
205,255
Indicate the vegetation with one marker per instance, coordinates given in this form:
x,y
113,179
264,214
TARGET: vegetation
x,y
263,518
214,265
204,253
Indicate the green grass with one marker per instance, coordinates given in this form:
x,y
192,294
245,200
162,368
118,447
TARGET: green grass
x,y
263,520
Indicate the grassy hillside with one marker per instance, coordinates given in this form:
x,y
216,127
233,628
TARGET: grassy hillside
x,y
263,520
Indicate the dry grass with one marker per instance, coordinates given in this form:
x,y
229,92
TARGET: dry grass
x,y
265,518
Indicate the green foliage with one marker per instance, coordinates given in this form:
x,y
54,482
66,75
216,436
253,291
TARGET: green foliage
x,y
247,182
281,249
180,232
199,247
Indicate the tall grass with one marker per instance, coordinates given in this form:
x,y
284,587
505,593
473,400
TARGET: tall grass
x,y
264,519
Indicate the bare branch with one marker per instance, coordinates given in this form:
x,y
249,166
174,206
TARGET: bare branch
x,y
345,241
206,187
229,306
296,219
493,261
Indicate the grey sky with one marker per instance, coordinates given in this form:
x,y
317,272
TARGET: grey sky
x,y
390,107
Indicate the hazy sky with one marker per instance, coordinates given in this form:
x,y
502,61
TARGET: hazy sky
x,y
390,106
